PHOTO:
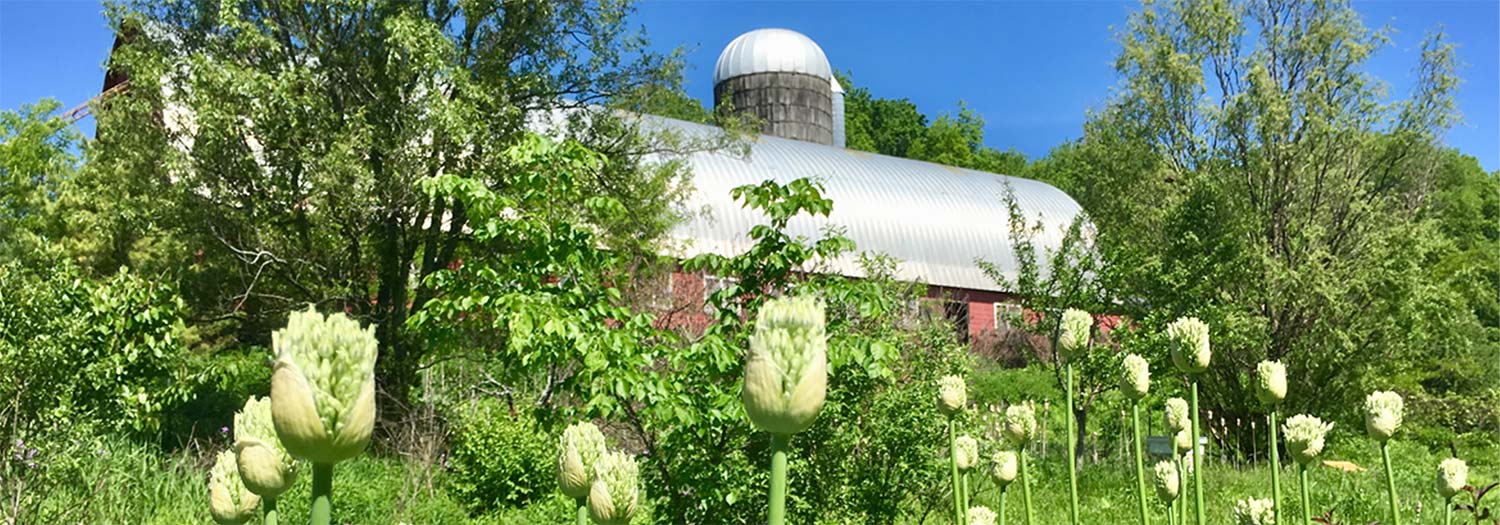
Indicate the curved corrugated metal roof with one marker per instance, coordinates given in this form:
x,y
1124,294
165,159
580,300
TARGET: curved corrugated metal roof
x,y
937,220
771,50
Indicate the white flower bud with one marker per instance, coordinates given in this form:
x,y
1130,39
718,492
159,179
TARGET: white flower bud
x,y
1270,382
1190,348
1253,511
1073,333
1135,377
614,493
1167,480
229,502
1004,466
1182,441
965,452
1452,477
981,516
786,373
1304,437
1020,423
1383,411
264,465
1177,414
953,395
323,386
579,448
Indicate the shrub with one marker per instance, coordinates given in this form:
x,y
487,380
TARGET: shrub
x,y
500,460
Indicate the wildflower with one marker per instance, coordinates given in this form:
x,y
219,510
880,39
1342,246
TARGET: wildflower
x,y
1167,480
1270,382
1452,476
1253,511
786,374
1304,437
1004,466
953,395
1383,414
1073,333
1190,348
323,386
615,490
580,447
1135,377
264,464
966,452
1020,423
1177,414
981,516
229,502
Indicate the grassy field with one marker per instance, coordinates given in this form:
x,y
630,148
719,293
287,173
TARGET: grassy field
x,y
129,484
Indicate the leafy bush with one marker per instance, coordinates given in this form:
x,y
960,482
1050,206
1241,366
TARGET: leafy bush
x,y
73,348
499,460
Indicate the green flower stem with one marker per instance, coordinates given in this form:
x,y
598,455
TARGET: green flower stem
x,y
1140,459
958,497
1448,512
583,511
322,494
1072,449
966,490
1390,481
1002,505
1181,500
269,506
1275,469
779,446
1026,485
1197,461
1306,504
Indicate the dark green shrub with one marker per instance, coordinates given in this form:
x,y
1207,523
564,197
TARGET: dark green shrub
x,y
499,460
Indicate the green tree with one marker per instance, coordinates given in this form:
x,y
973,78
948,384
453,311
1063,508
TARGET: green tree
x,y
296,136
879,125
39,152
1248,172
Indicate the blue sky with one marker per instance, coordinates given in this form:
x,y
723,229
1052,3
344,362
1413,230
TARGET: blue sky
x,y
1033,69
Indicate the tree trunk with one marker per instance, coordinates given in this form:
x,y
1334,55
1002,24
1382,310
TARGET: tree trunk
x,y
1080,422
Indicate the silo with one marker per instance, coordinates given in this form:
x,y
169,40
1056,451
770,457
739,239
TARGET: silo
x,y
781,77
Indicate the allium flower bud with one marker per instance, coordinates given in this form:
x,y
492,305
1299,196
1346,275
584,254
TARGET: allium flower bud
x,y
965,452
1073,333
1253,511
1167,480
579,448
1383,411
1177,414
616,487
786,373
323,386
229,502
1190,350
1135,377
1004,466
1452,476
1020,423
953,395
1270,382
981,515
1187,462
265,467
1304,437
1182,441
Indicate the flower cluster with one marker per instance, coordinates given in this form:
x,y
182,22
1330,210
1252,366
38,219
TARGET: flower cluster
x,y
1270,382
965,452
1004,466
265,466
786,374
1383,412
1254,511
581,446
615,490
1167,480
981,516
1135,377
1304,437
229,502
1073,333
953,394
1190,349
1020,423
323,386
1452,476
1177,415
